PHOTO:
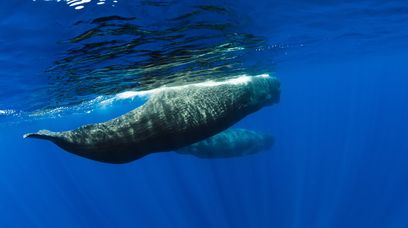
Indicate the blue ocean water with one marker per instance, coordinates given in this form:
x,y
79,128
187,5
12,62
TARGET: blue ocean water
x,y
341,126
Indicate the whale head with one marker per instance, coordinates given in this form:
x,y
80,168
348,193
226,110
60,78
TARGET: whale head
x,y
265,90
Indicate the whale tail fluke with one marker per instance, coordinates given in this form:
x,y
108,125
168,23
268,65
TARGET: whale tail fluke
x,y
42,134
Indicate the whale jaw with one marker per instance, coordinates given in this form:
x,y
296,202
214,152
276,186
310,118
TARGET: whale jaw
x,y
119,155
42,134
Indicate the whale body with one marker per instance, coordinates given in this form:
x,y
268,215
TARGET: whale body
x,y
172,118
233,142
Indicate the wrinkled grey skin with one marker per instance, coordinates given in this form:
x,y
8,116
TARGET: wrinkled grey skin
x,y
233,142
169,120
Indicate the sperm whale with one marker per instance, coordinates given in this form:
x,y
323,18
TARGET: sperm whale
x,y
233,142
172,118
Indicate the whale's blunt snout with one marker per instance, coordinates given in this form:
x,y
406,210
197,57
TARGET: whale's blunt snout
x,y
274,91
